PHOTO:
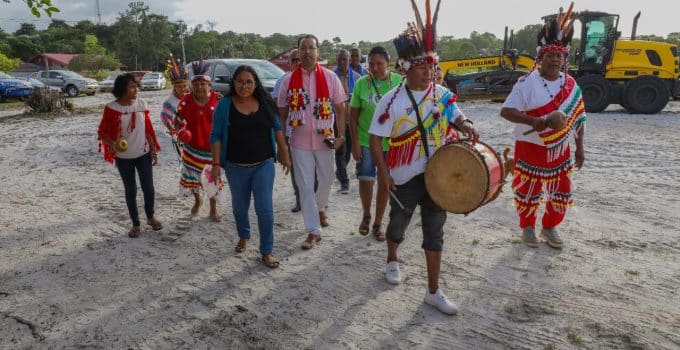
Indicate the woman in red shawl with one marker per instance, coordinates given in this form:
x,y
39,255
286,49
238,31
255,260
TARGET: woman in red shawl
x,y
127,137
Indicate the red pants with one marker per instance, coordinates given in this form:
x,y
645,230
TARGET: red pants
x,y
535,175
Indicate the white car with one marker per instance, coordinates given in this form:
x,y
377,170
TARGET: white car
x,y
106,85
152,81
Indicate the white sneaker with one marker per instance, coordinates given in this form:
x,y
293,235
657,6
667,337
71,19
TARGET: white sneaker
x,y
441,302
392,274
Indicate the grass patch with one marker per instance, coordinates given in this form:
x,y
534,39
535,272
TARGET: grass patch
x,y
516,241
574,338
11,104
508,309
632,272
550,347
475,241
643,245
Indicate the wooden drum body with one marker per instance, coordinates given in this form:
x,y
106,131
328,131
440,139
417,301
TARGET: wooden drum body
x,y
461,177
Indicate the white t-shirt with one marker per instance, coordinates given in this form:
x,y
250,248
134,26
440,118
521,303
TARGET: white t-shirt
x,y
136,138
402,120
531,92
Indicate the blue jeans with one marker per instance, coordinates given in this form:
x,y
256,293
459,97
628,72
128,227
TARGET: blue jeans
x,y
366,168
126,168
257,180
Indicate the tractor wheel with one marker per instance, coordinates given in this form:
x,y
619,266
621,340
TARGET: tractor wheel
x,y
645,94
72,91
595,89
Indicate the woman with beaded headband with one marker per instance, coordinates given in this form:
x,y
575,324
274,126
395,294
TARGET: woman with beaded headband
x,y
418,117
548,111
195,114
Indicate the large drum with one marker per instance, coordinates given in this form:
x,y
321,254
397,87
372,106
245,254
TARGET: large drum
x,y
461,177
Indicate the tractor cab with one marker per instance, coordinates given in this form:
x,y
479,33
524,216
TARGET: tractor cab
x,y
598,35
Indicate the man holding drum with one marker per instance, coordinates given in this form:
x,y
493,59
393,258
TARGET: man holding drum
x,y
414,109
548,111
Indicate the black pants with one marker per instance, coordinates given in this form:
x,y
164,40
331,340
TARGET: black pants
x,y
412,194
342,157
126,168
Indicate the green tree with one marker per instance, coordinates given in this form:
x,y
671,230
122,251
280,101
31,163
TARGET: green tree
x,y
92,45
673,38
24,47
35,6
143,40
26,29
93,63
8,64
525,39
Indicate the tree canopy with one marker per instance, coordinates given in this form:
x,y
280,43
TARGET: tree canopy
x,y
141,39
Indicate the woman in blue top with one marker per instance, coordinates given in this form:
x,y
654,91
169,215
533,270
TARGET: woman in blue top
x,y
245,134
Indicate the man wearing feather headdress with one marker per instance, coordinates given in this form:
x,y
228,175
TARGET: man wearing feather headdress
x,y
195,114
418,117
178,76
548,112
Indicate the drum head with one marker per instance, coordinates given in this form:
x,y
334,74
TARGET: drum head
x,y
456,178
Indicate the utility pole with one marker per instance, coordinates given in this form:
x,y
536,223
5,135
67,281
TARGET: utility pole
x,y
181,41
99,14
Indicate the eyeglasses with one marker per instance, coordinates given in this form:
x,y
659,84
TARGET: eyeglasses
x,y
245,83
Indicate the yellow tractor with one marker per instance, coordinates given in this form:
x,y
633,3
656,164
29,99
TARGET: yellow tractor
x,y
487,77
640,75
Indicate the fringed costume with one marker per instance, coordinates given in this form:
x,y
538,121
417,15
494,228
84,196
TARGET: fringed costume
x,y
198,120
543,160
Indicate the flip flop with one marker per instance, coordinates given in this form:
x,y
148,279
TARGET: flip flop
x,y
363,227
378,232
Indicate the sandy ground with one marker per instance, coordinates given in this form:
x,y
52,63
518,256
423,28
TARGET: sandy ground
x,y
71,278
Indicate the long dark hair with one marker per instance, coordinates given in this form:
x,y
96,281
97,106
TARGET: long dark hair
x,y
262,96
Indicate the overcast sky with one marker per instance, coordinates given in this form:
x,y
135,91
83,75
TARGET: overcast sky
x,y
355,20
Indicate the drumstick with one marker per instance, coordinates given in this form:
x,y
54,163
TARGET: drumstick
x,y
529,132
396,200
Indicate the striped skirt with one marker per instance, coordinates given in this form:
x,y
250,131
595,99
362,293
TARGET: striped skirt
x,y
193,161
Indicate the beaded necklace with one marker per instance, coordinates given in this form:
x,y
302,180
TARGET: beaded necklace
x,y
545,84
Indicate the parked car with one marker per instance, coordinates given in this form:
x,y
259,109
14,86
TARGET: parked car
x,y
13,88
70,82
106,85
139,73
221,70
153,81
37,84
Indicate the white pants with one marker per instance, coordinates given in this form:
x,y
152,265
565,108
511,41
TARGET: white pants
x,y
307,165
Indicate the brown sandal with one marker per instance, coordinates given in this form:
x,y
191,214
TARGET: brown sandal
x,y
323,219
311,240
155,224
364,226
270,261
378,232
134,232
241,245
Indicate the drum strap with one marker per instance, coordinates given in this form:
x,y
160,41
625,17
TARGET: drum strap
x,y
421,127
